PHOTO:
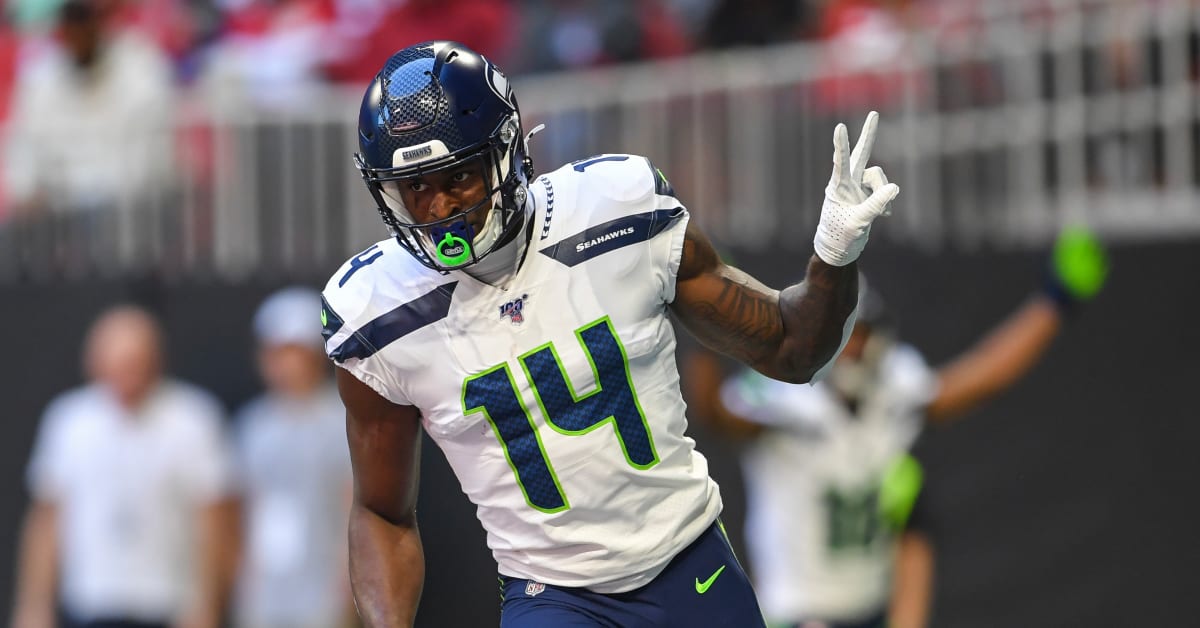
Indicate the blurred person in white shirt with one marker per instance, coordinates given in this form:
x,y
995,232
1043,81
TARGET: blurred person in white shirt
x,y
294,467
90,126
128,479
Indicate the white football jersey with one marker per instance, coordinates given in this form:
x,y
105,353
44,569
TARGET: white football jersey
x,y
555,400
819,547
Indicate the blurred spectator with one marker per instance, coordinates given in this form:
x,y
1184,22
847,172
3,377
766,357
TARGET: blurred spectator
x,y
271,53
566,34
735,23
868,40
10,47
90,123
295,475
183,29
827,477
127,478
486,26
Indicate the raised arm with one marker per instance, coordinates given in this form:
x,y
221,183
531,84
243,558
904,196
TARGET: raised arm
x,y
1077,272
791,334
996,362
387,565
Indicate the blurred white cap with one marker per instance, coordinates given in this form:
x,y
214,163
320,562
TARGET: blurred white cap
x,y
290,316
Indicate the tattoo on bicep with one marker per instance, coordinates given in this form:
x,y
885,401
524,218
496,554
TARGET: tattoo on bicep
x,y
741,320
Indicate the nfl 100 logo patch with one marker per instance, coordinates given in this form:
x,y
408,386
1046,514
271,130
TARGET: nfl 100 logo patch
x,y
514,310
532,589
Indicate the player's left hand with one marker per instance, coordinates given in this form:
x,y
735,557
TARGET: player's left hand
x,y
1080,263
1078,268
855,197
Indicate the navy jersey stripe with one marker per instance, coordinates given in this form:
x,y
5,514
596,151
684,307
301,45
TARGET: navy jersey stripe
x,y
428,308
611,236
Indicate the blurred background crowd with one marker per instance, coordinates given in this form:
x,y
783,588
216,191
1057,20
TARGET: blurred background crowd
x,y
191,157
183,136
130,70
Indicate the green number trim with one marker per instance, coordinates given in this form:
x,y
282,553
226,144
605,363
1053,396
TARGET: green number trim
x,y
508,457
610,419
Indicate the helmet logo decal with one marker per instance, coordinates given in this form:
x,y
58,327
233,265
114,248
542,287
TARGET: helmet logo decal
x,y
499,84
452,247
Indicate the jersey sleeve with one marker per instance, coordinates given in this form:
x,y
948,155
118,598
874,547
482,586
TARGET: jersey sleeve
x,y
617,202
641,196
46,474
209,467
346,308
667,245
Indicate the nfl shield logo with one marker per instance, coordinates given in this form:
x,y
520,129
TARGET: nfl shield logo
x,y
534,588
513,310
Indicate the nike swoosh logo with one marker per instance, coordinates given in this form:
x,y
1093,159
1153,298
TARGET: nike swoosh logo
x,y
702,587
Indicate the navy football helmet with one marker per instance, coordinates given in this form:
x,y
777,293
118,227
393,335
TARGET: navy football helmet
x,y
434,106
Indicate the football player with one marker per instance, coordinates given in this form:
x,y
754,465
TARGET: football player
x,y
827,476
522,322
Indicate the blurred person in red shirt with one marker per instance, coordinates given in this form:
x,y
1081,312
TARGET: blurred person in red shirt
x,y
487,26
10,45
866,44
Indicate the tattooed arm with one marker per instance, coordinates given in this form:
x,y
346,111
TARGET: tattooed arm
x,y
791,335
787,335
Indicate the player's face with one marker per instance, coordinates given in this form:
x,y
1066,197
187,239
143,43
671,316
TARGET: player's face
x,y
437,195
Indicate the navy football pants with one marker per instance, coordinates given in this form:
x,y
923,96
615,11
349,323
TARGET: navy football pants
x,y
702,586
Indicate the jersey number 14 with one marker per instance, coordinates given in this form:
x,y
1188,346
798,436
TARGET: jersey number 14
x,y
494,392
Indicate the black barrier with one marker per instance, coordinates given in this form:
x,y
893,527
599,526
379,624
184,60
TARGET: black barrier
x,y
1062,503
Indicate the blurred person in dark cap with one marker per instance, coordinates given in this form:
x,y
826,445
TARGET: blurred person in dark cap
x,y
128,476
294,473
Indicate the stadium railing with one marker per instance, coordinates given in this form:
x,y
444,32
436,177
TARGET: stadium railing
x,y
1001,124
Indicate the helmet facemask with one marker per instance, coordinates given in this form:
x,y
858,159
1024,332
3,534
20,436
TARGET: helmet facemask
x,y
454,242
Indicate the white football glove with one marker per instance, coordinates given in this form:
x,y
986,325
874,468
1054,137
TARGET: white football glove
x,y
854,197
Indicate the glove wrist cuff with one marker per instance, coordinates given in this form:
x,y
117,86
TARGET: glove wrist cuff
x,y
1067,304
832,255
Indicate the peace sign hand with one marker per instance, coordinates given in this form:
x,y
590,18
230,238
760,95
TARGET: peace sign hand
x,y
856,196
